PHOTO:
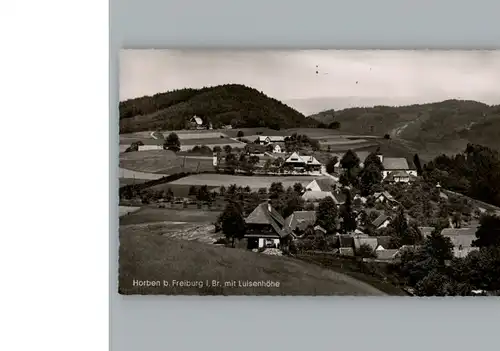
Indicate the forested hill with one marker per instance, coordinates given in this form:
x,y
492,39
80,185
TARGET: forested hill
x,y
233,104
451,122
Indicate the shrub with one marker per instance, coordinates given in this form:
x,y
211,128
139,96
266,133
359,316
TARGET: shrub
x,y
365,251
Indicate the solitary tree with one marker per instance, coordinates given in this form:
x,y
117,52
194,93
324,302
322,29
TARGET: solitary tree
x,y
373,159
240,134
276,189
350,160
172,142
371,177
204,194
227,149
330,165
326,214
232,222
348,218
488,233
438,247
192,190
298,188
402,233
365,251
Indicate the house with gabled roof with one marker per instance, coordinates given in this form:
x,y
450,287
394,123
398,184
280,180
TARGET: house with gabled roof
x,y
400,177
277,148
317,196
264,227
264,140
298,221
396,169
381,221
384,197
322,184
383,242
319,231
304,163
196,123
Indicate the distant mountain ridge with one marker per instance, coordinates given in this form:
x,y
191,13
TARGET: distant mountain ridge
x,y
449,124
233,104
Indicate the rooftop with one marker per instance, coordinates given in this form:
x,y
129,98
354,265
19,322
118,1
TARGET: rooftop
x,y
325,184
317,195
265,214
386,254
380,220
300,220
296,158
384,241
271,138
386,195
198,120
395,163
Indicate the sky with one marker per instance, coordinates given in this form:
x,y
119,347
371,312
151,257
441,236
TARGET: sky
x,y
315,80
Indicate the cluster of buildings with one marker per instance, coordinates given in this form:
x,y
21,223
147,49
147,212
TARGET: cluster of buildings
x,y
266,228
396,169
292,164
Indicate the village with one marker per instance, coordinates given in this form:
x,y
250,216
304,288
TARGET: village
x,y
289,195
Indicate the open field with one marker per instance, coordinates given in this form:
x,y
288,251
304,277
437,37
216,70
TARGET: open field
x,y
179,190
210,141
150,214
124,210
145,137
200,232
233,133
197,134
347,146
254,182
162,162
132,174
144,256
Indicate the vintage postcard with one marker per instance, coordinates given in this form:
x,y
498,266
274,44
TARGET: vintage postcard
x,y
309,172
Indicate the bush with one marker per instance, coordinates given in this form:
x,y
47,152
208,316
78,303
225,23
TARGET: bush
x,y
365,251
240,134
387,136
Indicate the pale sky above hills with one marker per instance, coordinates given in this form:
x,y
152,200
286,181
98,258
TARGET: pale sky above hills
x,y
344,79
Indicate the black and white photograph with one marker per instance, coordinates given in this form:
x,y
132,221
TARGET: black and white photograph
x,y
309,172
